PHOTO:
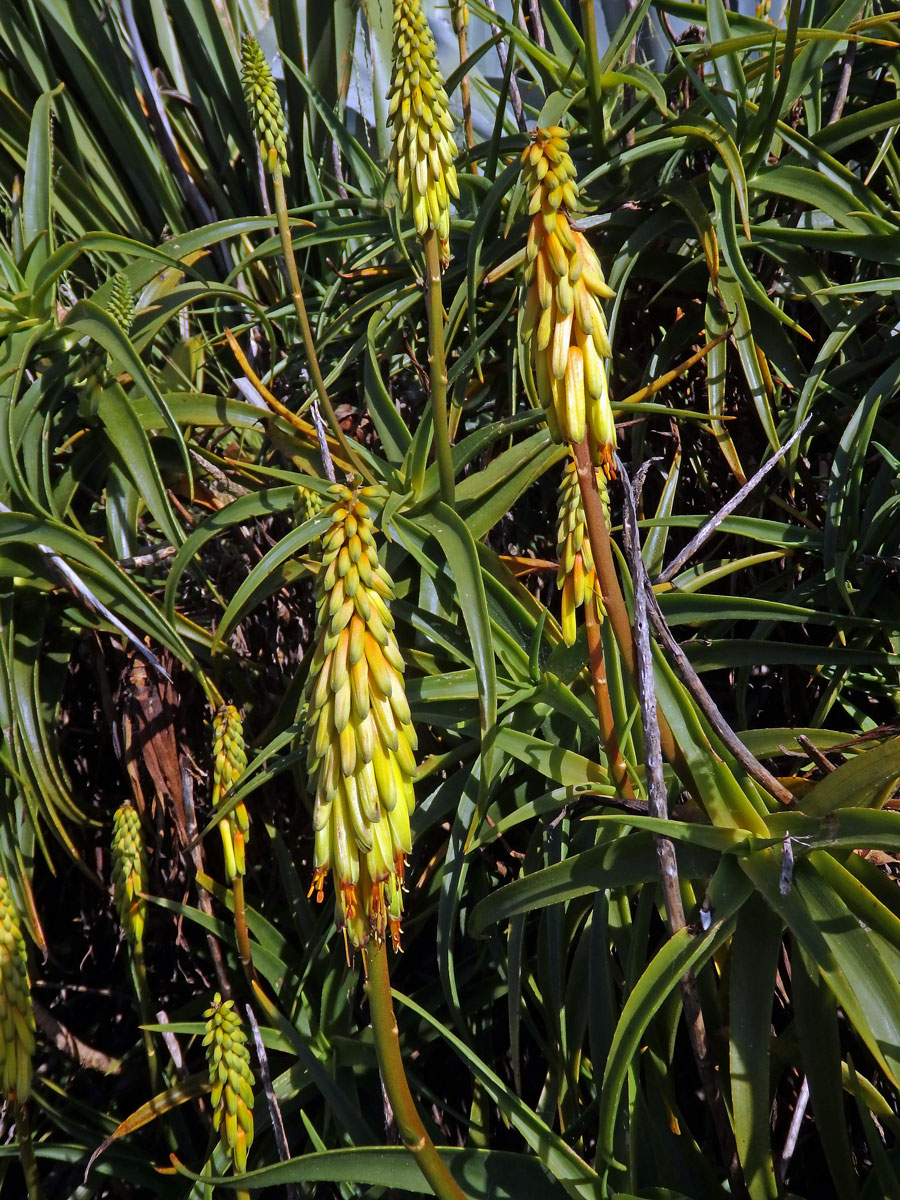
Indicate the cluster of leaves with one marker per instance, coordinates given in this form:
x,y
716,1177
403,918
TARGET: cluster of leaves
x,y
746,185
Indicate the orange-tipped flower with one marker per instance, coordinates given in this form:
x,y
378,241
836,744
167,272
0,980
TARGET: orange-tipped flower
x,y
423,149
360,738
563,319
576,577
230,760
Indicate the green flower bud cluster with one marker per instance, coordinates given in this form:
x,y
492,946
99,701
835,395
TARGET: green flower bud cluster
x,y
16,1015
121,302
129,871
307,504
264,104
577,578
423,148
229,763
228,1060
360,737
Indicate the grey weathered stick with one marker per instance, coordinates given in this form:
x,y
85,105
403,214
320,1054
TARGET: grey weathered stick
x,y
281,1142
324,452
665,849
794,1131
77,584
695,686
728,508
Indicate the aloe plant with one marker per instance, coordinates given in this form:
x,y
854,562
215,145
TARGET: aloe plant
x,y
651,935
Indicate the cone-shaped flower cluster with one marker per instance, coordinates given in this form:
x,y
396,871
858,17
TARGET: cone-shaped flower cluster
x,y
577,577
129,870
264,104
359,732
121,302
232,1080
563,319
423,148
229,763
16,1016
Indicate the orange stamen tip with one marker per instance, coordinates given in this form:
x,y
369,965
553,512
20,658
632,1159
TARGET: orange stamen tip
x,y
350,901
318,884
606,461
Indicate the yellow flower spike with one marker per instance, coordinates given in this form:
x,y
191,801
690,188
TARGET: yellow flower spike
x,y
129,871
576,578
360,738
264,105
422,149
562,318
121,302
229,763
16,1015
228,1060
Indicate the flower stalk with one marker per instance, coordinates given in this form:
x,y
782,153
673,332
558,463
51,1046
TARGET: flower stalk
x,y
228,1061
422,153
390,1062
267,114
229,763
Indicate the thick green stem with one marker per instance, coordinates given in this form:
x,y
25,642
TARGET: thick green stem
x,y
437,364
240,926
312,358
26,1153
139,975
387,1045
592,72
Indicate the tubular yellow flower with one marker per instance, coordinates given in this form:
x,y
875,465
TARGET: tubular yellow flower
x,y
360,737
16,1016
230,761
228,1060
576,577
264,104
423,148
563,319
129,870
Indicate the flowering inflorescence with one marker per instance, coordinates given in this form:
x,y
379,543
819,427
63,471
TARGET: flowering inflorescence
x,y
360,738
577,576
563,319
423,148
264,104
228,1060
229,762
129,871
16,1015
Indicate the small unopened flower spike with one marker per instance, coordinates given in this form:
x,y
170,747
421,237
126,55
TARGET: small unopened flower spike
x,y
228,1060
423,149
563,320
229,763
129,870
121,302
264,104
307,503
577,576
359,733
16,1015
